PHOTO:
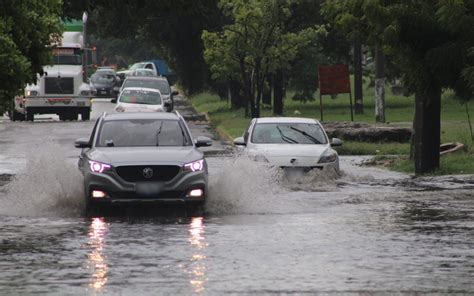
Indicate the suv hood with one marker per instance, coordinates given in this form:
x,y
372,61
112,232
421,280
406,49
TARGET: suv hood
x,y
165,155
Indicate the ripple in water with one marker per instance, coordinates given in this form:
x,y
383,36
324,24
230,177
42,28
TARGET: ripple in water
x,y
50,185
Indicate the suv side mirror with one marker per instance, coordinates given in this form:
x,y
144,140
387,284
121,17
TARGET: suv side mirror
x,y
202,141
82,143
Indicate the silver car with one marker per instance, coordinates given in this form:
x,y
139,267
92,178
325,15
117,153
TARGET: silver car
x,y
134,158
155,82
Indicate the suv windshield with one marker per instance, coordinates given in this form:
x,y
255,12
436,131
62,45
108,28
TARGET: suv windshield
x,y
140,97
292,133
103,78
161,85
143,132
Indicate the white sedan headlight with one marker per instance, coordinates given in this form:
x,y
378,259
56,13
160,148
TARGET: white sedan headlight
x,y
328,157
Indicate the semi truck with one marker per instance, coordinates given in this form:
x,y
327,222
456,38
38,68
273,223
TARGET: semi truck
x,y
62,88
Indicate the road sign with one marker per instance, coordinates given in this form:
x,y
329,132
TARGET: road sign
x,y
334,79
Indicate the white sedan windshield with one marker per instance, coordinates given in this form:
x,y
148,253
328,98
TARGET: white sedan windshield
x,y
290,133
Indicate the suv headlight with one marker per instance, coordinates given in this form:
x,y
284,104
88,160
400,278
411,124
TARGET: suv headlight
x,y
328,157
98,167
195,166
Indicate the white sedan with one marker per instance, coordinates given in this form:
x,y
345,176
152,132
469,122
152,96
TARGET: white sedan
x,y
289,142
136,99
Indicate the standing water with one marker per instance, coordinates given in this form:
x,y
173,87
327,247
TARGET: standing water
x,y
366,231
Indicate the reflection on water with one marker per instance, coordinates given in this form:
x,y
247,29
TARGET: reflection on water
x,y
198,258
97,262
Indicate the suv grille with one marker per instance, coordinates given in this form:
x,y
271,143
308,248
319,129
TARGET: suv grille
x,y
138,174
54,85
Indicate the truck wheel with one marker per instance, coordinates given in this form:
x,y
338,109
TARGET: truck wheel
x,y
29,115
86,115
73,116
62,116
16,116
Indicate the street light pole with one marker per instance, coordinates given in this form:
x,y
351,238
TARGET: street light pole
x,y
84,52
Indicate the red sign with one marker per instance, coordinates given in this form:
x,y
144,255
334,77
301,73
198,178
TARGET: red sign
x,y
334,79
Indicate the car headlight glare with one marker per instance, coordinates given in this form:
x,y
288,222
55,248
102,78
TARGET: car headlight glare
x,y
98,167
31,93
195,166
328,158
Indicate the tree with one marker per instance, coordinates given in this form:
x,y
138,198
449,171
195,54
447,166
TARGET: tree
x,y
253,45
349,17
172,30
27,28
430,41
333,47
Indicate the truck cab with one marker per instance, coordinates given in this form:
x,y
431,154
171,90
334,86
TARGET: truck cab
x,y
62,88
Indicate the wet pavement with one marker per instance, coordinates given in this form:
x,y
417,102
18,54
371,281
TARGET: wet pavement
x,y
366,232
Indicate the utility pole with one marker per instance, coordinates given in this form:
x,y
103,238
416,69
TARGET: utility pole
x,y
85,49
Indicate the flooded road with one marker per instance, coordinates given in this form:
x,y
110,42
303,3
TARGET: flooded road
x,y
367,231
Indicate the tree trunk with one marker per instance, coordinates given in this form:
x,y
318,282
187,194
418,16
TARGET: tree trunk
x,y
278,93
267,91
379,85
236,99
358,95
427,128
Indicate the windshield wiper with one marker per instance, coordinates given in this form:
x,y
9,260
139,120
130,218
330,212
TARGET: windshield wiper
x,y
313,139
286,138
158,134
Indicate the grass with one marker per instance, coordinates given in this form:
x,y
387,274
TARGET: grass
x,y
399,112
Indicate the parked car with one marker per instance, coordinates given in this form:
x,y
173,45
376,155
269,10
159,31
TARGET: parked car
x,y
133,158
159,83
137,99
104,84
140,65
290,143
158,66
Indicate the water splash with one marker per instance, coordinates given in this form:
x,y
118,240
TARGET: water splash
x,y
49,185
245,186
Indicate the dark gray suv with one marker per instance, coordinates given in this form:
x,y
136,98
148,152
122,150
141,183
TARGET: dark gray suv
x,y
136,158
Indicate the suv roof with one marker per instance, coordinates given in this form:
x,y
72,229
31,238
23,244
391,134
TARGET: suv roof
x,y
146,78
141,115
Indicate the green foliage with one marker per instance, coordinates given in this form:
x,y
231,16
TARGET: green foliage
x,y
172,30
27,28
254,44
